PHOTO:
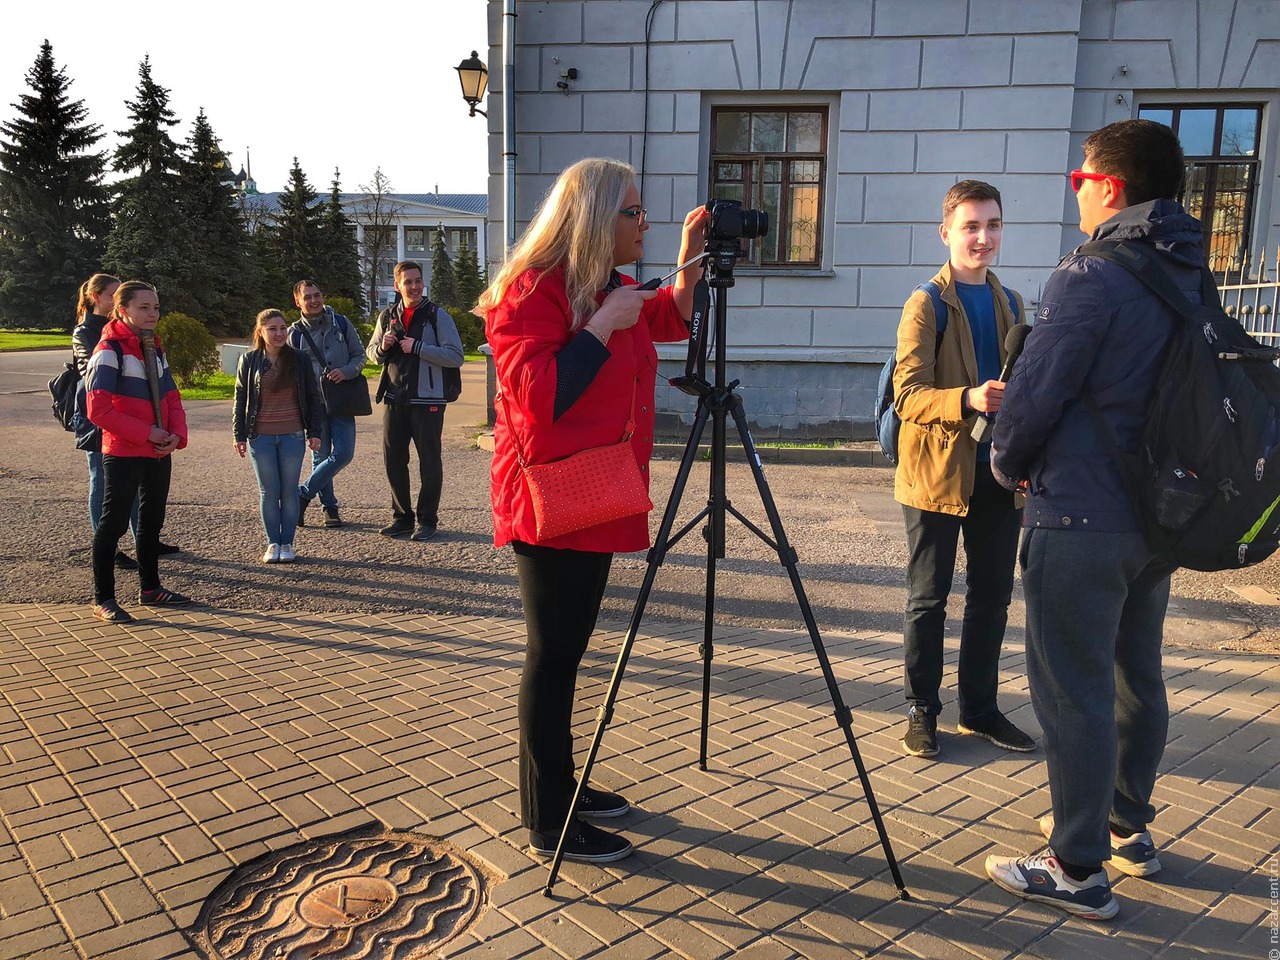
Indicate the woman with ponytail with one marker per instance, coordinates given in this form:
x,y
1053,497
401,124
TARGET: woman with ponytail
x,y
278,414
132,399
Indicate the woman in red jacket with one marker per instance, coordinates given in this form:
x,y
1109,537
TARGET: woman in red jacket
x,y
572,342
132,399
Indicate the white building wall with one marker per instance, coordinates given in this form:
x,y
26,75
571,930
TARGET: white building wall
x,y
921,94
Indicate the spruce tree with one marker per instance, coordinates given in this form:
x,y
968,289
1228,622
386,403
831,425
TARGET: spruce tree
x,y
220,259
444,287
298,228
341,274
53,206
467,275
150,239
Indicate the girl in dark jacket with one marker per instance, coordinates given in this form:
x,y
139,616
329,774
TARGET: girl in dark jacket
x,y
277,416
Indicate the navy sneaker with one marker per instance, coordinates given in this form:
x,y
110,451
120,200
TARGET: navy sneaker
x,y
1041,879
1134,856
600,805
585,844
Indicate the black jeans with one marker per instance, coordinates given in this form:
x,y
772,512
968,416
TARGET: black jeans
x,y
421,426
561,592
147,479
990,545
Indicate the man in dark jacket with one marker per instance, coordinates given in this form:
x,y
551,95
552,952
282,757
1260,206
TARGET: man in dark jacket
x,y
414,341
1095,595
338,356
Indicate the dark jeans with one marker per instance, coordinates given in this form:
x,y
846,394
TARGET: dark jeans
x,y
1095,620
561,592
990,546
145,479
421,426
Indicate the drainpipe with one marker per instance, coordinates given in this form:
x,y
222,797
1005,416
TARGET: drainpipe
x,y
509,125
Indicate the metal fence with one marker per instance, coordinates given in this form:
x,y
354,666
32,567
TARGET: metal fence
x,y
1254,297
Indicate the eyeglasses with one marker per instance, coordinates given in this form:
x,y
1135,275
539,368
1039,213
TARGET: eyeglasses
x,y
636,213
1078,177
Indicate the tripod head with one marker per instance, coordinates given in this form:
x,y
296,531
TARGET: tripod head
x,y
729,223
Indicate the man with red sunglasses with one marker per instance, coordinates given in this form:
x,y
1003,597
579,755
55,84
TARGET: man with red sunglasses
x,y
1095,594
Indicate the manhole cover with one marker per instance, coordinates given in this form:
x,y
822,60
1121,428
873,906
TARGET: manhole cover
x,y
389,895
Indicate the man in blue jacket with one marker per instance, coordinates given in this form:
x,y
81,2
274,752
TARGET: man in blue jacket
x,y
1095,595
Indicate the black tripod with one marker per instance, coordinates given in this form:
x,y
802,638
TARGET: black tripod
x,y
717,402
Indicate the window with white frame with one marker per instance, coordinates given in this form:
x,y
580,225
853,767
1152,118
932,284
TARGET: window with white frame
x,y
774,159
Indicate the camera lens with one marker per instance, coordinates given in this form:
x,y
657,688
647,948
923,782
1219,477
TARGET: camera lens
x,y
755,224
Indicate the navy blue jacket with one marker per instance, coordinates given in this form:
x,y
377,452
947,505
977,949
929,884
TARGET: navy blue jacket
x,y
1099,329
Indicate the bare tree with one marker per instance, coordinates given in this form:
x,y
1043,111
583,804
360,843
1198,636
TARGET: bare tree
x,y
378,212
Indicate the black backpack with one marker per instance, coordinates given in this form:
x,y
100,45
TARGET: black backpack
x,y
63,390
1205,479
452,385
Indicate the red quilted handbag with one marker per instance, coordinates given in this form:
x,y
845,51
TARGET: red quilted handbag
x,y
587,488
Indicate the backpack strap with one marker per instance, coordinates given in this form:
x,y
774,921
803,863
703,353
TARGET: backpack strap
x,y
1146,268
939,310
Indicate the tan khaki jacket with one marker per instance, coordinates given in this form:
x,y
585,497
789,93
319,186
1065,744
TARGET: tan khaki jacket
x,y
936,454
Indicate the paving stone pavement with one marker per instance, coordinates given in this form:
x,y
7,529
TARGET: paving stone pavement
x,y
140,764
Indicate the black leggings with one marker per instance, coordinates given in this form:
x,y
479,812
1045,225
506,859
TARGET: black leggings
x,y
147,479
561,592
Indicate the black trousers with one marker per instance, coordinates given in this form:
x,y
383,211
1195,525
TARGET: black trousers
x,y
561,592
147,479
991,546
422,427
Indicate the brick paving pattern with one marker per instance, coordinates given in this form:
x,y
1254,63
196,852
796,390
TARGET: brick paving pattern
x,y
139,765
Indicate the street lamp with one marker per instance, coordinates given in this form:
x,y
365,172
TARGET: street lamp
x,y
474,77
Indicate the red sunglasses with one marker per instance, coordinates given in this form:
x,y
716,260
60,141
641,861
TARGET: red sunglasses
x,y
1078,177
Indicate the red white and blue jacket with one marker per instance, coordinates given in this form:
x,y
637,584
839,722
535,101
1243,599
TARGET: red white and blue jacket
x,y
119,400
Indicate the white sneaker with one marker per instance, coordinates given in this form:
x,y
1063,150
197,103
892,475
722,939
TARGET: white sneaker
x,y
1134,856
1042,879
286,553
273,553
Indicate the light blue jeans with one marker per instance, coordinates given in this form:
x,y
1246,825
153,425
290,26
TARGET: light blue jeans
x,y
337,447
277,462
97,488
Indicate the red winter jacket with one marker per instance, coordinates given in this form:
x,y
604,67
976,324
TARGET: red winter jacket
x,y
118,400
526,339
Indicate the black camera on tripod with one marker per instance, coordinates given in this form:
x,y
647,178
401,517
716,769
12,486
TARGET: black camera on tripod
x,y
730,220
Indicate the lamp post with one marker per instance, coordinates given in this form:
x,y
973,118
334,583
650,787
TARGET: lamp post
x,y
474,77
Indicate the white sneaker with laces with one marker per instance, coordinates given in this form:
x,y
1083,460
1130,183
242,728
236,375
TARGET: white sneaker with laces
x,y
286,553
273,553
1042,879
1134,856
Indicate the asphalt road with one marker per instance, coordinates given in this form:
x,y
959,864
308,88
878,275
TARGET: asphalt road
x,y
842,521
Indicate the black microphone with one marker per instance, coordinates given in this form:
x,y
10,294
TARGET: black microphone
x,y
1014,341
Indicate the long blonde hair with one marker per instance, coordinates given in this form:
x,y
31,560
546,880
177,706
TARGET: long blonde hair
x,y
574,228
90,290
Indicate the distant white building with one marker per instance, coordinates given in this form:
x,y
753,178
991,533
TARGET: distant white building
x,y
410,221
847,120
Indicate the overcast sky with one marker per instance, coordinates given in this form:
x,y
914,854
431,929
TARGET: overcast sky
x,y
351,85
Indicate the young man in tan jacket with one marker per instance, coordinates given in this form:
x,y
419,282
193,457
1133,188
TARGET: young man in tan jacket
x,y
943,480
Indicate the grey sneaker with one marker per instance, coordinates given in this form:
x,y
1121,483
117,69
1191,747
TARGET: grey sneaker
x,y
921,739
424,533
1042,879
1133,856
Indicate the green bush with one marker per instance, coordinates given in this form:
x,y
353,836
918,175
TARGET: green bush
x,y
190,347
470,329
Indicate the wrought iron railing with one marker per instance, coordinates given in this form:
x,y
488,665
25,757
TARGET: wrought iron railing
x,y
1254,297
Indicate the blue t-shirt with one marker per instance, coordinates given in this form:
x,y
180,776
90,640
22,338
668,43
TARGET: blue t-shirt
x,y
980,307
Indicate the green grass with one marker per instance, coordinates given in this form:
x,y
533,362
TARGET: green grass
x,y
11,340
219,386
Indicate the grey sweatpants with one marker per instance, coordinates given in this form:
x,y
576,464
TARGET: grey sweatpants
x,y
1095,620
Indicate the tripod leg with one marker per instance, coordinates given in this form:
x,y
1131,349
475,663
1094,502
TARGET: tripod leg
x,y
844,716
714,534
656,556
